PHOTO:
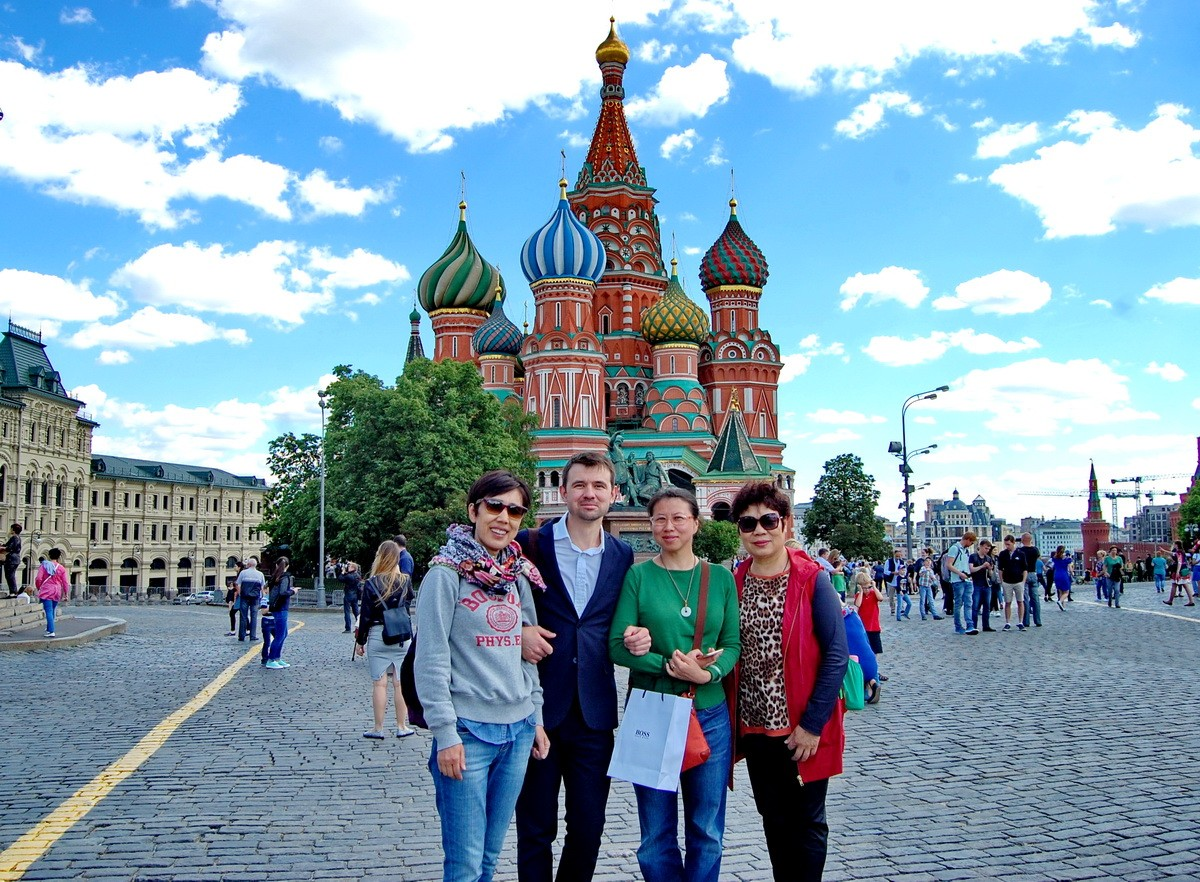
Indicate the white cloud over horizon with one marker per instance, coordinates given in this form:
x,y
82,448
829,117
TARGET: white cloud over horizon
x,y
1004,292
904,286
900,351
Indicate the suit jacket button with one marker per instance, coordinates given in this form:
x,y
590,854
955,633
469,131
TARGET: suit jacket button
x,y
574,661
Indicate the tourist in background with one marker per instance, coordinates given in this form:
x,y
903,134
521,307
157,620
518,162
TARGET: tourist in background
x,y
351,587
12,558
663,595
483,703
927,581
386,588
283,587
249,584
783,697
52,587
1063,571
1033,588
1114,570
982,565
1180,576
958,563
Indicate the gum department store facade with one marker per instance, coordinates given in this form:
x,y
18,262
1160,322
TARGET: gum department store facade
x,y
130,526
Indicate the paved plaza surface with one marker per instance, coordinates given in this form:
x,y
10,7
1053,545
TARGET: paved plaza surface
x,y
1062,753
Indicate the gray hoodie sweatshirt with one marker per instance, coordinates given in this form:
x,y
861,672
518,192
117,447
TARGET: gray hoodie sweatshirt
x,y
469,655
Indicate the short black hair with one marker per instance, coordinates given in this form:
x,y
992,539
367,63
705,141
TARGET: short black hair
x,y
590,459
496,482
400,540
55,553
760,493
16,528
674,493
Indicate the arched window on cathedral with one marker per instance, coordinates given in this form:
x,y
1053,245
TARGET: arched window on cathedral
x,y
556,417
639,395
622,395
732,321
554,479
605,323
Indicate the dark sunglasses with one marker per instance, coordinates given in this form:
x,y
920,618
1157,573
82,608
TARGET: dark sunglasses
x,y
495,506
769,521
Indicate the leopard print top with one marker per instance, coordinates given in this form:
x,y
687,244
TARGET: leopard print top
x,y
761,700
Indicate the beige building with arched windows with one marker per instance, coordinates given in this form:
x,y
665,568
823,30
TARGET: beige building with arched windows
x,y
126,526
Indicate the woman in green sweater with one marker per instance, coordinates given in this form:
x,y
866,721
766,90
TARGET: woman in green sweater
x,y
662,595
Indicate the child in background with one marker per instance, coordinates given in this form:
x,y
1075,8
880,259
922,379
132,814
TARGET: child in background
x,y
866,602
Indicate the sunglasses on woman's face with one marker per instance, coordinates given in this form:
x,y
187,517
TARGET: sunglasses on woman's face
x,y
749,523
495,506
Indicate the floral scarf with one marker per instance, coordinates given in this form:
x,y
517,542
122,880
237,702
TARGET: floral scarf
x,y
463,554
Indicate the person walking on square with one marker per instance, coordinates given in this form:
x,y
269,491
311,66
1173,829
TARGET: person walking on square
x,y
250,584
893,574
982,564
783,695
900,591
866,604
927,580
1033,588
482,702
387,588
1012,579
663,595
1180,576
12,559
1159,565
52,587
351,581
1114,570
1063,570
958,564
583,567
283,587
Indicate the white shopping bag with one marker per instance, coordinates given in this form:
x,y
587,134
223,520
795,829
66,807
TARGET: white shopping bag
x,y
651,740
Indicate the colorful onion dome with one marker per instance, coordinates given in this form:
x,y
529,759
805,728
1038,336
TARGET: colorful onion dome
x,y
613,48
733,259
460,278
563,247
498,335
675,318
414,316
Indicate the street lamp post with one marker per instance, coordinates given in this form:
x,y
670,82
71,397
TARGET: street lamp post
x,y
322,402
901,451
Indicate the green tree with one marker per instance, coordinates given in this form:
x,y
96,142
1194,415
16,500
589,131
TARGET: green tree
x,y
843,510
402,457
717,541
290,507
1189,517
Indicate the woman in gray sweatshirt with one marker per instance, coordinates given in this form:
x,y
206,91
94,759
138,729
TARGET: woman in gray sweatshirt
x,y
482,703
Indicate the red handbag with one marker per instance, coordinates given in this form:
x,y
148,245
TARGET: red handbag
x,y
697,750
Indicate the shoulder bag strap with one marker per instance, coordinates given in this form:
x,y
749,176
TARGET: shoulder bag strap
x,y
701,606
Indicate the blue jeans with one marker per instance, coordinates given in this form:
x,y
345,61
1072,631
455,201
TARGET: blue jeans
x,y
279,634
247,617
704,789
1033,601
962,606
350,609
49,606
477,811
903,605
1113,593
981,603
266,626
925,601
1160,583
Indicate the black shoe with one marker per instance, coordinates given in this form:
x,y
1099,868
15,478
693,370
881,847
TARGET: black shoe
x,y
883,678
989,629
346,631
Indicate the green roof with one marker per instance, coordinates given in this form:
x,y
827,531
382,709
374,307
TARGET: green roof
x,y
151,470
25,365
733,453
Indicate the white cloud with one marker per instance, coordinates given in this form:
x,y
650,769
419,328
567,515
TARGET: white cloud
x,y
1103,304
683,141
1178,292
925,420
1114,35
842,417
682,92
1172,373
358,269
960,453
330,144
1006,140
716,156
1004,292
27,51
326,197
79,15
692,250
29,297
1110,175
961,178
114,356
902,352
656,52
1196,403
793,366
839,436
796,364
858,43
868,116
1044,398
148,328
890,283
575,140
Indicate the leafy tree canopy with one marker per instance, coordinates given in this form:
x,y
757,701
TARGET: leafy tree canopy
x,y
1189,516
717,541
400,459
843,510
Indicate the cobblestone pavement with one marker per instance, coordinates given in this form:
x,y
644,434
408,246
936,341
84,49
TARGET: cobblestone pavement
x,y
1062,753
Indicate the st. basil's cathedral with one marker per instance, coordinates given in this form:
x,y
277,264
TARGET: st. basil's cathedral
x,y
619,358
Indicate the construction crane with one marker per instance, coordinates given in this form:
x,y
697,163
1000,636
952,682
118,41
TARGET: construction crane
x,y
1114,495
1136,481
1150,494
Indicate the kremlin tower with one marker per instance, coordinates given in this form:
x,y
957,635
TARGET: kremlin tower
x,y
619,358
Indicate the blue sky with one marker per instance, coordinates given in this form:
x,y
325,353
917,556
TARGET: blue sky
x,y
210,204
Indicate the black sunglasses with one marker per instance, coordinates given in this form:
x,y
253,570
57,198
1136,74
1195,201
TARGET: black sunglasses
x,y
769,521
495,506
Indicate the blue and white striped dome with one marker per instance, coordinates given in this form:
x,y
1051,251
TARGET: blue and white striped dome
x,y
563,247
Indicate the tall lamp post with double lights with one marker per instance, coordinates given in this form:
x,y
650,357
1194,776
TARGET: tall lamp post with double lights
x,y
901,452
322,402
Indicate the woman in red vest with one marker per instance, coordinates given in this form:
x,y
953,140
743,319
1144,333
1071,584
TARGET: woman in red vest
x,y
783,695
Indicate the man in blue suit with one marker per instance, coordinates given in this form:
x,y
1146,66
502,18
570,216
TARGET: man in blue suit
x,y
584,568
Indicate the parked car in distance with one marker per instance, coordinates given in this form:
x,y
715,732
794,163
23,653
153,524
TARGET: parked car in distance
x,y
198,597
217,598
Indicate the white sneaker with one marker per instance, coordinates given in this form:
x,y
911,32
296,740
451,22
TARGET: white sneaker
x,y
48,634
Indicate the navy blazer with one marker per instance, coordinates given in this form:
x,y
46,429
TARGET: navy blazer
x,y
580,665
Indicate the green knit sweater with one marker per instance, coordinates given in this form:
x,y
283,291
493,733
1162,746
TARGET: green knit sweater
x,y
649,599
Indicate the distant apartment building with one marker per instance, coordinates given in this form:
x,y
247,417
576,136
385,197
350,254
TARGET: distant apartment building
x,y
1048,535
946,521
124,525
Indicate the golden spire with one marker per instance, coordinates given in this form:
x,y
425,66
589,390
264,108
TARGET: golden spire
x,y
613,48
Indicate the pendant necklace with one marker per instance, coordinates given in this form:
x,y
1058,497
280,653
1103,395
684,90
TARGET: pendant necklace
x,y
686,610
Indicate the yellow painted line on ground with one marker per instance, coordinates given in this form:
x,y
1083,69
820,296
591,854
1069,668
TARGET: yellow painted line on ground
x,y
18,857
1149,612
